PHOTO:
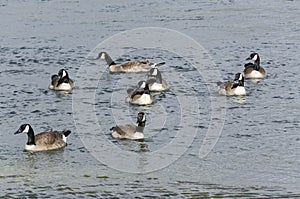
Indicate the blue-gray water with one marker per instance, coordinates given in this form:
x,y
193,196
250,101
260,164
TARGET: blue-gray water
x,y
257,154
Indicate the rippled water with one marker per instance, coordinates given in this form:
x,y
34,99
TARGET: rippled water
x,y
257,154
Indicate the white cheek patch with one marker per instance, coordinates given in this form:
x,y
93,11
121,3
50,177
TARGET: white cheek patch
x,y
154,72
255,57
241,77
64,138
26,130
64,73
102,56
143,85
144,118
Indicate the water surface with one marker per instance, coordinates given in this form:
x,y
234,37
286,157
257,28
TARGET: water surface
x,y
257,154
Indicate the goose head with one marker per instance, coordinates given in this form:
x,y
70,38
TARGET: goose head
x,y
62,73
238,76
254,57
141,117
24,128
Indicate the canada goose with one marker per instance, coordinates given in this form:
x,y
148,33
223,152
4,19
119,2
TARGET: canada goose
x,y
140,95
128,67
155,81
233,88
62,81
44,141
254,70
130,131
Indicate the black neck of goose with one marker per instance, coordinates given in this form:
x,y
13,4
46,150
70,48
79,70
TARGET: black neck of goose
x,y
64,79
241,82
146,89
109,60
159,78
111,63
140,127
30,135
66,76
257,63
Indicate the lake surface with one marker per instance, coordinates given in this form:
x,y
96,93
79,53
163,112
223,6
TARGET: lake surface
x,y
198,144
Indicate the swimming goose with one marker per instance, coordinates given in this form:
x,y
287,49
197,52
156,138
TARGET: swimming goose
x,y
128,67
141,95
44,141
130,131
254,70
155,81
233,88
62,81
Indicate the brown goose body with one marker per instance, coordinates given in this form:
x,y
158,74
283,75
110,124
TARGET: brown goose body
x,y
251,73
61,82
140,96
155,81
44,141
47,141
131,132
254,70
233,88
128,67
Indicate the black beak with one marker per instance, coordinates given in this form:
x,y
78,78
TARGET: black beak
x,y
160,64
18,132
249,58
98,57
